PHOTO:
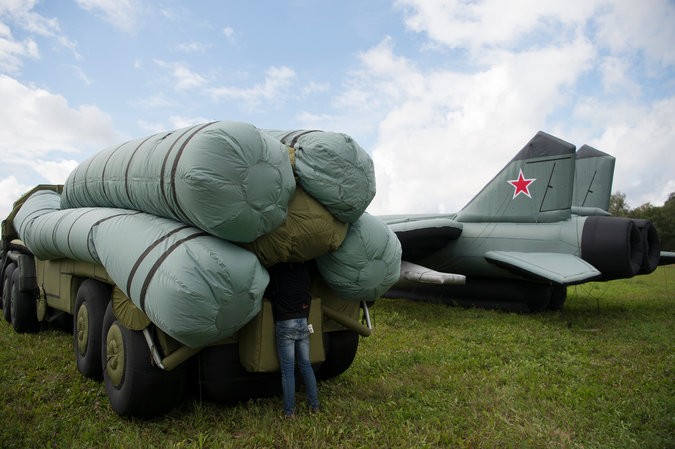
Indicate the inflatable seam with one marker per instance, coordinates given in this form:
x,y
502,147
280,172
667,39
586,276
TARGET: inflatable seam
x,y
296,138
158,263
105,166
174,168
126,172
147,251
164,162
70,230
103,220
27,220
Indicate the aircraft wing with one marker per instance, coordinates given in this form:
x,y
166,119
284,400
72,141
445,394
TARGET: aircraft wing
x,y
423,235
667,258
556,267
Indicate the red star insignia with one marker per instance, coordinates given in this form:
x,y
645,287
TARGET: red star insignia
x,y
521,185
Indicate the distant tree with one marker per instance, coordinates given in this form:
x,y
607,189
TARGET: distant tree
x,y
663,218
665,223
618,206
646,211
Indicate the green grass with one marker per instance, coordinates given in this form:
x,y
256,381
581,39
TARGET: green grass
x,y
599,374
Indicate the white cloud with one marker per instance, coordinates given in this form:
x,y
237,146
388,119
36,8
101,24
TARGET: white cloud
x,y
79,72
619,26
472,25
275,86
12,52
314,87
229,34
20,14
151,127
174,122
36,122
177,121
642,140
615,80
435,123
443,132
646,26
54,171
440,119
122,14
10,190
157,101
185,79
309,120
193,47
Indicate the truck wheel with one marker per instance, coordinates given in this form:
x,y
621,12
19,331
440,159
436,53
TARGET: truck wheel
x,y
537,297
341,349
217,374
23,307
135,387
558,297
2,282
7,281
90,305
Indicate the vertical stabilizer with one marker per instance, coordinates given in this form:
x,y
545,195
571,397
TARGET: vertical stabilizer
x,y
593,178
535,187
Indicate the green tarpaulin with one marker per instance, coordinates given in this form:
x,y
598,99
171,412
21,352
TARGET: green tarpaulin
x,y
162,215
226,178
367,263
195,287
334,169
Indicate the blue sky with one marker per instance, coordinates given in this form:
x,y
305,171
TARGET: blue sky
x,y
441,93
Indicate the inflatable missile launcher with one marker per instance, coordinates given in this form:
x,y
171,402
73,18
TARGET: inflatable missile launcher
x,y
156,250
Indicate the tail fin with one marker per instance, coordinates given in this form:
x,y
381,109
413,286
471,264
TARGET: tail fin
x,y
536,186
593,178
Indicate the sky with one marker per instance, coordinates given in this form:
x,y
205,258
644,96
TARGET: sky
x,y
441,93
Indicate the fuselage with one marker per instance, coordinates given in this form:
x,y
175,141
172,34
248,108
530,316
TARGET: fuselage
x,y
466,254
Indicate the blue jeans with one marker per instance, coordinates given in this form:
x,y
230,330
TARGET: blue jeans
x,y
293,343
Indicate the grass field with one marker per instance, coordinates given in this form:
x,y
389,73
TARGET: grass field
x,y
599,374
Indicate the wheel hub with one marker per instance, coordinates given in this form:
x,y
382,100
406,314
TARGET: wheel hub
x,y
82,329
114,364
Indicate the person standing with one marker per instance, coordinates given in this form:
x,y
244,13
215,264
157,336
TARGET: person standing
x,y
288,290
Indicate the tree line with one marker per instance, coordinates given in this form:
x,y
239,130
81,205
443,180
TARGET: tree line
x,y
663,218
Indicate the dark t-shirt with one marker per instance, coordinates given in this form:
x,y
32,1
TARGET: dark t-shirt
x,y
289,290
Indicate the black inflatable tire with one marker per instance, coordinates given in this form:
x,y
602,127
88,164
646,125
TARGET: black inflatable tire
x,y
143,390
23,307
558,297
90,306
217,375
341,349
7,281
2,281
537,297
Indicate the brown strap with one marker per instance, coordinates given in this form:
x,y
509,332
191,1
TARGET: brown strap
x,y
145,253
158,263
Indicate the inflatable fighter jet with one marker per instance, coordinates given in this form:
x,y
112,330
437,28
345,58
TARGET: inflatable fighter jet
x,y
540,225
